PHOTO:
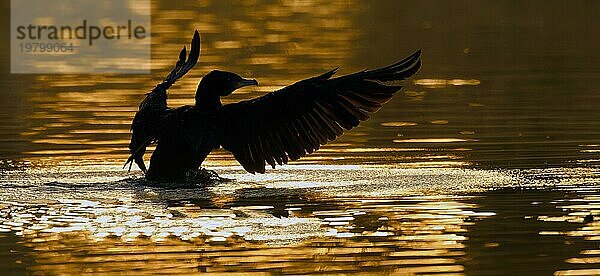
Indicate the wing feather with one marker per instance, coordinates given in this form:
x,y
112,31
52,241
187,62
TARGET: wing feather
x,y
289,123
148,121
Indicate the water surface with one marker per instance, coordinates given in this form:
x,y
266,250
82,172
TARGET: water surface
x,y
486,163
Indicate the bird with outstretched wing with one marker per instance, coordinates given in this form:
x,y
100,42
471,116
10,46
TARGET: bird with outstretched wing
x,y
272,129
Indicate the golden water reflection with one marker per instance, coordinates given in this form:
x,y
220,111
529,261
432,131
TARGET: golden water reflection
x,y
486,163
515,117
345,219
408,235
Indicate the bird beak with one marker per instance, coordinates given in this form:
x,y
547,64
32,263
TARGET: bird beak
x,y
246,82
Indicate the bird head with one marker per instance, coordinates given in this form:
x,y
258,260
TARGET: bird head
x,y
224,83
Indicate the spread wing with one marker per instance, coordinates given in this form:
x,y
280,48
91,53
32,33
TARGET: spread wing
x,y
298,119
153,109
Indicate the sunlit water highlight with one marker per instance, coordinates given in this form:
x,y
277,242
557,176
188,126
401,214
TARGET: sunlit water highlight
x,y
296,220
486,163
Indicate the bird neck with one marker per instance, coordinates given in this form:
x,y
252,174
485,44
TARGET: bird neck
x,y
207,99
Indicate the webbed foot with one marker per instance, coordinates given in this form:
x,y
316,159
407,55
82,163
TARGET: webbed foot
x,y
203,175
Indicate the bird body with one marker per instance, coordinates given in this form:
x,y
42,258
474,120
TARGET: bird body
x,y
187,138
272,129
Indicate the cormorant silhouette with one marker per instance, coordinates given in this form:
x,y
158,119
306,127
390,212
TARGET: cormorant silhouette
x,y
272,129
